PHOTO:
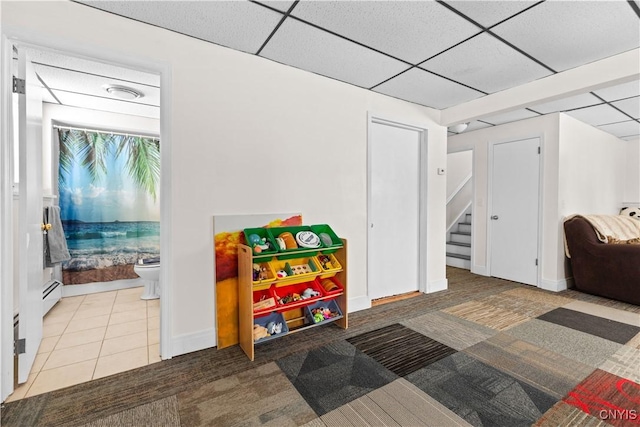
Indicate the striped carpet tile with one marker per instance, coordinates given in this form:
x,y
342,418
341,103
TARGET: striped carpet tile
x,y
400,349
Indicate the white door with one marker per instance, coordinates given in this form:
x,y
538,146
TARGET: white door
x,y
394,168
514,211
30,215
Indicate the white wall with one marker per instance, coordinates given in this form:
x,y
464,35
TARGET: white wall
x,y
235,120
632,181
591,176
581,173
459,167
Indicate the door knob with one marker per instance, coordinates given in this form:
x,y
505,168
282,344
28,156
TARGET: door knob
x,y
494,217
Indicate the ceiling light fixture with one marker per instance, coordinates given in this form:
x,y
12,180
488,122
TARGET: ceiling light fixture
x,y
459,128
123,92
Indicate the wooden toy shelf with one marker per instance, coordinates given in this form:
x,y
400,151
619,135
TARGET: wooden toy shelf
x,y
295,315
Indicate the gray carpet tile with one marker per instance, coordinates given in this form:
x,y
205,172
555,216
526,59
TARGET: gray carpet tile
x,y
481,394
334,375
400,349
594,325
259,396
624,363
163,412
450,330
580,346
544,369
562,414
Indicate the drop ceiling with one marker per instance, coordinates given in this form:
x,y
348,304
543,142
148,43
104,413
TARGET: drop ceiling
x,y
434,53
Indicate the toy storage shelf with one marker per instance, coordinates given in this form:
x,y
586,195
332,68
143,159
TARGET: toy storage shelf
x,y
296,315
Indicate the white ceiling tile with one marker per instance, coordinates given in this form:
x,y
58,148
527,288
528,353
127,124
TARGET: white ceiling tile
x,y
311,49
280,5
511,116
625,90
631,106
486,64
93,67
567,34
427,89
239,25
72,81
598,115
102,104
488,13
410,30
570,103
629,128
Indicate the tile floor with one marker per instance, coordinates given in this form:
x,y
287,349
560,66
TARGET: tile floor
x,y
91,336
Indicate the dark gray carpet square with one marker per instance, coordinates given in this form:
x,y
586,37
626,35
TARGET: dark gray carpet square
x,y
334,375
481,394
400,349
594,325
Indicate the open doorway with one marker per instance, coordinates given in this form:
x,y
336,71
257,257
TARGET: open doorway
x,y
459,209
98,325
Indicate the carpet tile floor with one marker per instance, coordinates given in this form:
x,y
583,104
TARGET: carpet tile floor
x,y
486,352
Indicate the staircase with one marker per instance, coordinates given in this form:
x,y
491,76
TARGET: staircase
x,y
459,245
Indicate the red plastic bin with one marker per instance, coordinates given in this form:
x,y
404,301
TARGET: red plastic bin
x,y
338,288
297,288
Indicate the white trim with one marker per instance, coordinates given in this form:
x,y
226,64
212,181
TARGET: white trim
x,y
359,303
460,186
92,288
6,223
437,286
480,270
490,146
556,285
422,191
187,343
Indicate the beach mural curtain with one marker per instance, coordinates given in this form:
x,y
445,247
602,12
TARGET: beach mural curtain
x,y
109,187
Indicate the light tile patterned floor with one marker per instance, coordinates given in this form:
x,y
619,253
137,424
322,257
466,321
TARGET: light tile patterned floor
x,y
92,336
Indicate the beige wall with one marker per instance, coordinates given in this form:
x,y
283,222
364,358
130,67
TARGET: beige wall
x,y
239,125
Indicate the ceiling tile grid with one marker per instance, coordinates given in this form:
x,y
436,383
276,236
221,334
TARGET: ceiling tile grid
x,y
628,129
598,115
425,88
621,91
510,116
487,64
240,25
311,49
489,13
566,34
630,106
414,32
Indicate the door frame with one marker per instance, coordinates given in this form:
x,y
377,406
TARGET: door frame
x,y
372,119
57,44
490,147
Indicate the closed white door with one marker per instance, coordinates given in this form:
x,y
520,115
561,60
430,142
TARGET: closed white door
x,y
30,215
514,211
394,168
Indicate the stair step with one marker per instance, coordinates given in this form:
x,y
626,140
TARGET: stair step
x,y
466,245
465,257
460,237
464,233
464,223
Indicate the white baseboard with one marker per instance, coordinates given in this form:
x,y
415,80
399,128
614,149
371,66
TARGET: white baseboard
x,y
188,343
92,288
480,270
359,303
556,285
437,285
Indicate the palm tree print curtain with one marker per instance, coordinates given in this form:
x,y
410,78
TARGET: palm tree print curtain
x,y
109,187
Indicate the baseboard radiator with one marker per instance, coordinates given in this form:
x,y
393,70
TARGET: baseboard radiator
x,y
51,294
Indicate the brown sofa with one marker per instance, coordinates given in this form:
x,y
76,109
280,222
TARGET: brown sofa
x,y
608,270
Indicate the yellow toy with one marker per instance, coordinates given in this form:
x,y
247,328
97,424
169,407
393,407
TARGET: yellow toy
x,y
259,332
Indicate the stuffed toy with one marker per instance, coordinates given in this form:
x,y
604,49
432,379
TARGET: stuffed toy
x,y
259,332
632,212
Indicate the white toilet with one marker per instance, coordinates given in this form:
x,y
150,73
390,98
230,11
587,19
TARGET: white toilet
x,y
150,273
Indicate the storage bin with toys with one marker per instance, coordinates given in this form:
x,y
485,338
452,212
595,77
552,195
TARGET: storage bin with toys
x,y
294,285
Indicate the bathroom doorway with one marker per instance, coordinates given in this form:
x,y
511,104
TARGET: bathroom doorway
x,y
100,319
